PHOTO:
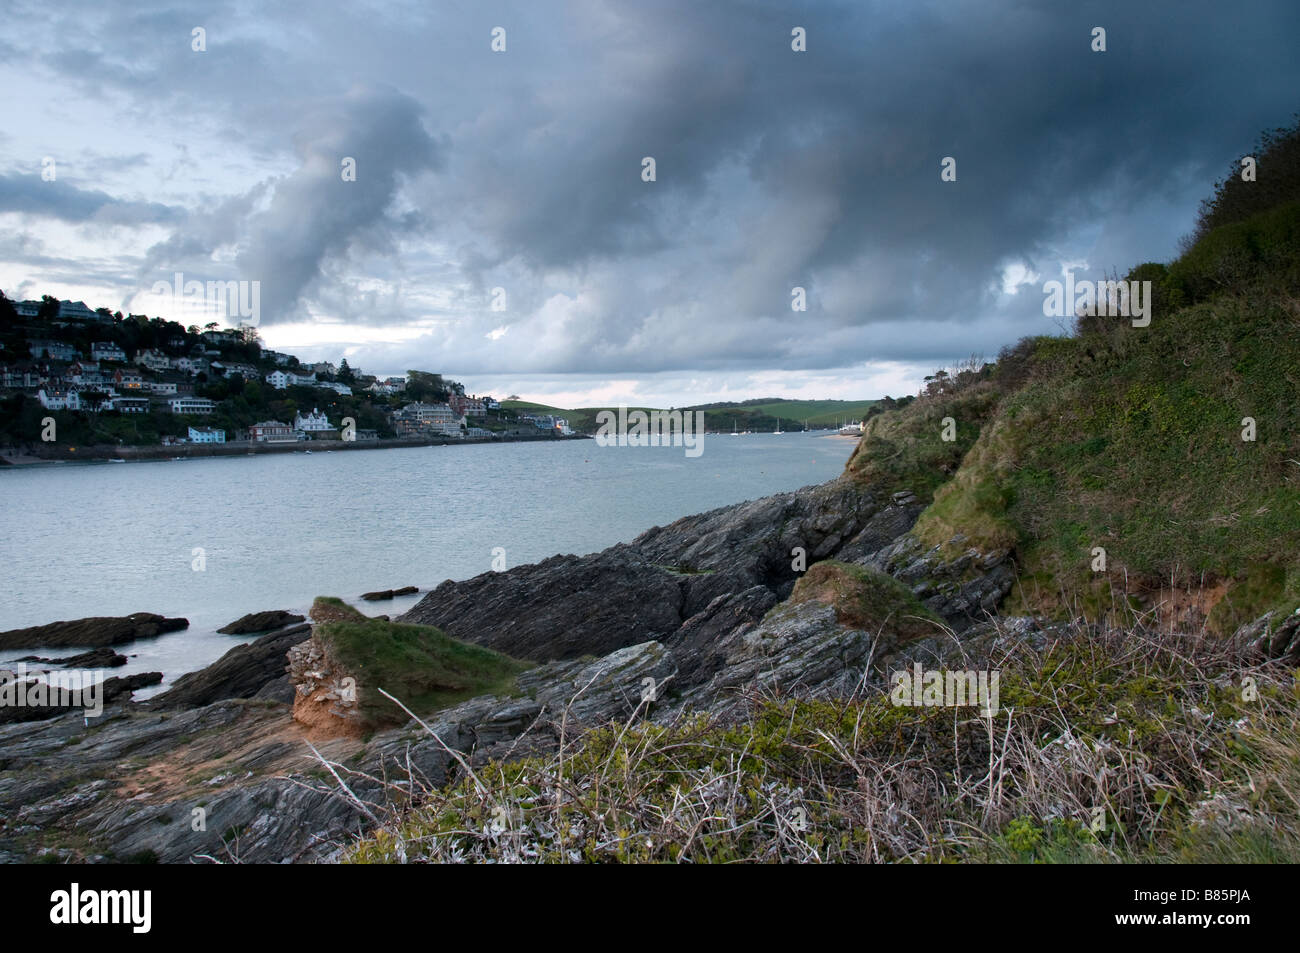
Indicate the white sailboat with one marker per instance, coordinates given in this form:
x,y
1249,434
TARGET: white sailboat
x,y
778,426
733,427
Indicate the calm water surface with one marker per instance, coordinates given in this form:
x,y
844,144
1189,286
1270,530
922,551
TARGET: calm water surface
x,y
274,531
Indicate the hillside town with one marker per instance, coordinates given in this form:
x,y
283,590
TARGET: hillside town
x,y
105,377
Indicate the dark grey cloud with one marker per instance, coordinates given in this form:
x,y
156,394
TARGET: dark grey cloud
x,y
522,169
32,195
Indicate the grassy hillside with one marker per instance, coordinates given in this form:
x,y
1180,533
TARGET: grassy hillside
x,y
1135,441
756,416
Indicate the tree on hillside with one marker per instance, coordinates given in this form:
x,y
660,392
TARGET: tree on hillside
x,y
1276,181
345,374
8,314
421,386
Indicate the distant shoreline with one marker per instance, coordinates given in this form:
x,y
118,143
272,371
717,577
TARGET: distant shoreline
x,y
36,456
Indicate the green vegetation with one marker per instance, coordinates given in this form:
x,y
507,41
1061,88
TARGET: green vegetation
x,y
1110,748
864,599
756,416
1131,439
418,664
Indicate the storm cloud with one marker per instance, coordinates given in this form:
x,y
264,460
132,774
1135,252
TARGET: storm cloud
x,y
516,176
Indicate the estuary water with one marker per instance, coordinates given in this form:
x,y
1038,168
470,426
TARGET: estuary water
x,y
214,538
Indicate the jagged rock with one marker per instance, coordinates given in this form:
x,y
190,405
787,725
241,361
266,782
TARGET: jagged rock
x,y
797,649
242,672
696,647
561,608
111,690
261,622
568,606
91,633
882,529
964,589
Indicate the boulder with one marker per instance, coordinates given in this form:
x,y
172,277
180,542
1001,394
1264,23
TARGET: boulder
x,y
261,622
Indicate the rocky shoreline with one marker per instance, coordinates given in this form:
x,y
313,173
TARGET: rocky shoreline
x,y
699,613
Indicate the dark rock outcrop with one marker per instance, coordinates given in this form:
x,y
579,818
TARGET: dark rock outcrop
x,y
91,633
383,594
964,590
112,690
261,622
103,657
246,671
665,585
561,608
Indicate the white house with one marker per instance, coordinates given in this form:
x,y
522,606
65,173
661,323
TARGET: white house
x,y
131,405
57,350
77,311
191,405
106,351
154,360
58,399
207,435
282,379
312,423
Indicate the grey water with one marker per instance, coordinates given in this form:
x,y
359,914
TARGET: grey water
x,y
214,538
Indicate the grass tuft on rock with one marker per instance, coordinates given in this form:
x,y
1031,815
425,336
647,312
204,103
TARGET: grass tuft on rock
x,y
865,599
419,664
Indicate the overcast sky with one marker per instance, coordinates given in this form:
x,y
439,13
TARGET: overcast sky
x,y
522,170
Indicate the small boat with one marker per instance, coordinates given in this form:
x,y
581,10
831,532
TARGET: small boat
x,y
778,426
733,427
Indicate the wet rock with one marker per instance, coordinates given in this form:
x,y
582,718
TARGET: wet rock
x,y
261,622
389,593
103,657
242,672
92,632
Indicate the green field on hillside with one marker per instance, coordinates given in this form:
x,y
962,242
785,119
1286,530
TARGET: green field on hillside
x,y
759,417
